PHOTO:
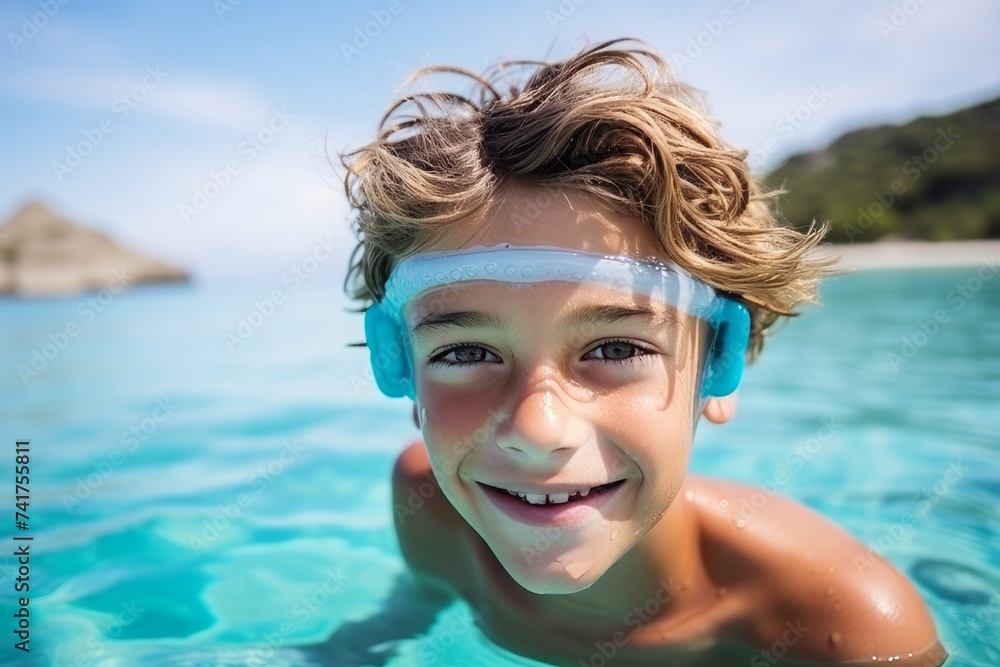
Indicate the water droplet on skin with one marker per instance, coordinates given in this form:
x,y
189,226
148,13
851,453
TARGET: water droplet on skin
x,y
724,502
741,523
831,569
612,535
830,591
689,495
834,638
722,590
423,417
576,569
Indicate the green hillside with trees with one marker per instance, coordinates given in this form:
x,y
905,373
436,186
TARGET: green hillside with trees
x,y
934,178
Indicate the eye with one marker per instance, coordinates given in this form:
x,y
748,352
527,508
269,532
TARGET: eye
x,y
618,352
464,354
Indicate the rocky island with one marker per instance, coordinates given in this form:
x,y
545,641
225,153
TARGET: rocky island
x,y
43,254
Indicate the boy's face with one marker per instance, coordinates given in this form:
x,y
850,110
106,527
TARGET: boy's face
x,y
545,403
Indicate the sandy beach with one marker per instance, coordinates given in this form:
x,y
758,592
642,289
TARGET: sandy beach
x,y
913,254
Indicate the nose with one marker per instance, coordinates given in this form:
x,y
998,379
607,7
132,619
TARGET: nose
x,y
542,425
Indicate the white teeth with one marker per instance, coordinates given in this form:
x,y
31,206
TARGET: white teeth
x,y
550,499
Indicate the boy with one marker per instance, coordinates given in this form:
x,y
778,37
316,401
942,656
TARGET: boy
x,y
565,277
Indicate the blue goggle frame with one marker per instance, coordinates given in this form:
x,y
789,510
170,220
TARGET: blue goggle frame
x,y
385,329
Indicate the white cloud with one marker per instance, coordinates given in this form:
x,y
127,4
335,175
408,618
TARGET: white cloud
x,y
210,103
176,96
267,217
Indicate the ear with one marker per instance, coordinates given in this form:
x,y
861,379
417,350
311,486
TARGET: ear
x,y
720,410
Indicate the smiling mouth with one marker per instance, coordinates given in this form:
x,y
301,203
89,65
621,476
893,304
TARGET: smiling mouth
x,y
556,498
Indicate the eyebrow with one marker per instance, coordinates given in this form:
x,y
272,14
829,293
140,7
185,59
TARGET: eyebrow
x,y
587,315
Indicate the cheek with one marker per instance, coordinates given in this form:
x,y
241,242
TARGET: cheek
x,y
656,410
456,422
661,440
656,422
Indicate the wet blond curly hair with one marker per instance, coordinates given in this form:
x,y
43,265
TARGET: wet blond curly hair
x,y
611,121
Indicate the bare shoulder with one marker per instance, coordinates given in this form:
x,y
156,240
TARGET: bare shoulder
x,y
427,526
806,583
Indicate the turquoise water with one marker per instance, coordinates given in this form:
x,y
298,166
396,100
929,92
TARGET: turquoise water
x,y
194,504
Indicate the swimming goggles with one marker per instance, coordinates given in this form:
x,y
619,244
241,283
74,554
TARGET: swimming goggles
x,y
385,328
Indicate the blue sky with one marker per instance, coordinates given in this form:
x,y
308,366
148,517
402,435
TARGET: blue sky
x,y
164,96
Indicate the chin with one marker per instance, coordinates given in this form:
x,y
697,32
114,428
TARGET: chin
x,y
555,581
552,572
